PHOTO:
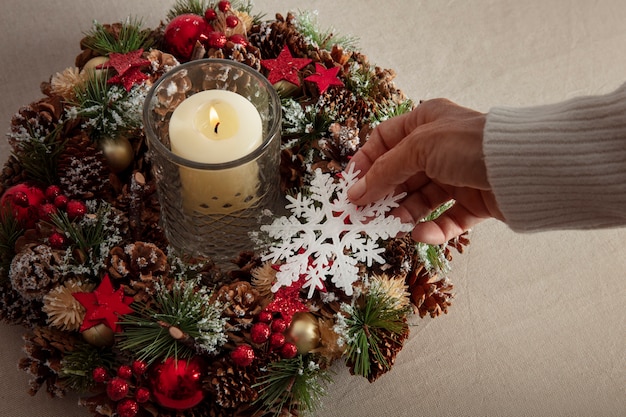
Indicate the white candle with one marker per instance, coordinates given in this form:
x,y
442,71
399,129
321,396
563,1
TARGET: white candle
x,y
217,126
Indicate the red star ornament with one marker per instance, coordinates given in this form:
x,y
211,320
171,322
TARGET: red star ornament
x,y
129,78
285,67
124,62
324,77
287,301
104,305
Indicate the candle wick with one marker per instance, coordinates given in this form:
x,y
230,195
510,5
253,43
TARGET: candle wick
x,y
216,125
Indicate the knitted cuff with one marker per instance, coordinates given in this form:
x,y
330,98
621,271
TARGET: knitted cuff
x,y
559,166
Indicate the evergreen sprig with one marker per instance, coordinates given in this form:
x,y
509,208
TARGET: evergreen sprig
x,y
130,37
390,109
78,365
187,6
308,26
433,256
10,231
39,156
183,323
364,326
297,382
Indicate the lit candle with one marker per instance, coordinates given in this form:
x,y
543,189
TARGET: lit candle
x,y
217,126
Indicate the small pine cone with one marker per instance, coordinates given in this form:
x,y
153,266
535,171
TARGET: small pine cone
x,y
162,62
390,345
242,302
139,260
83,170
15,309
34,271
44,350
230,386
430,294
399,255
292,170
12,173
384,88
343,101
42,115
249,55
337,150
271,37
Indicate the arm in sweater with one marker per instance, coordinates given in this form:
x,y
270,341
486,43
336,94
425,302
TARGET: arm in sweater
x,y
559,166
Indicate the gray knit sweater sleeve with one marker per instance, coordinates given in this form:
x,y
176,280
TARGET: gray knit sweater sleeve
x,y
559,166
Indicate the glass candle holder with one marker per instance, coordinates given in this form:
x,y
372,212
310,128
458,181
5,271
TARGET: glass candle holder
x,y
212,199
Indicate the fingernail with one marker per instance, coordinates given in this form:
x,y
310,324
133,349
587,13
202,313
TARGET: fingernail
x,y
357,190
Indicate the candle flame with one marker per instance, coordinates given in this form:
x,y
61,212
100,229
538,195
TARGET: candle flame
x,y
214,118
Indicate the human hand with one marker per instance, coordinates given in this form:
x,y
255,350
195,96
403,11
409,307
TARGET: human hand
x,y
434,154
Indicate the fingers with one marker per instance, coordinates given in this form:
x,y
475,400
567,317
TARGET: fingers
x,y
417,205
450,224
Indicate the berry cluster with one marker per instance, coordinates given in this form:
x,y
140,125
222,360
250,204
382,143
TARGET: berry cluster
x,y
119,388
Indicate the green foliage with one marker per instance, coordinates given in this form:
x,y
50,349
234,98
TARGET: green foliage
x,y
39,156
10,231
298,382
188,6
364,326
130,37
390,109
433,256
182,323
307,25
77,366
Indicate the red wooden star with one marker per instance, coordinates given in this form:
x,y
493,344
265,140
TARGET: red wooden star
x,y
324,77
124,62
285,67
129,78
104,305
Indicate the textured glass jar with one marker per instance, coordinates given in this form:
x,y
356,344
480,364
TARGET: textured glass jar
x,y
209,210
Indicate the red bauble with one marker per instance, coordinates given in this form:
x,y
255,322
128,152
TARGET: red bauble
x,y
56,240
260,332
127,408
232,21
46,211
216,40
177,384
125,372
100,374
288,351
210,14
224,6
139,367
142,395
277,340
243,355
24,200
75,209
182,33
239,39
117,388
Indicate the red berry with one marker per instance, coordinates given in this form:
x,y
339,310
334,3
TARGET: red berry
x,y
224,6
277,340
127,408
142,395
60,201
210,14
289,350
56,240
139,367
243,355
216,39
52,192
265,316
125,372
75,209
238,39
117,388
232,21
279,326
46,211
20,199
260,332
100,374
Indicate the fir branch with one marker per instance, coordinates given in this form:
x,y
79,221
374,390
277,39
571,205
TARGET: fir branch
x,y
130,37
78,365
184,323
307,25
188,6
10,231
390,109
39,156
297,382
434,256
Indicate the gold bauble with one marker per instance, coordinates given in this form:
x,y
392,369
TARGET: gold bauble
x,y
90,67
99,335
118,152
304,332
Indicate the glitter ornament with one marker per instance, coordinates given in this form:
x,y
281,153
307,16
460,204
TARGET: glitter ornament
x,y
265,316
139,367
304,332
118,153
243,355
277,340
177,384
260,332
125,372
24,200
56,240
127,408
117,388
279,326
100,374
182,33
75,209
288,351
142,395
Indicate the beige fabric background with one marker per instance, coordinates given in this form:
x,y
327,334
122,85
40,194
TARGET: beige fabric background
x,y
538,326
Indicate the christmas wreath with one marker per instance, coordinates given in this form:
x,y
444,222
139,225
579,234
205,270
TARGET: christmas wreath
x,y
115,315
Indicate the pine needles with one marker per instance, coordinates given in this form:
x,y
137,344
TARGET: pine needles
x,y
129,37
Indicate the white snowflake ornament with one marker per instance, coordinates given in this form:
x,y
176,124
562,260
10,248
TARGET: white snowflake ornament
x,y
326,235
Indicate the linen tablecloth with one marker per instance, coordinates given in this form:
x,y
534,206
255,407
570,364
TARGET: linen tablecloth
x,y
537,327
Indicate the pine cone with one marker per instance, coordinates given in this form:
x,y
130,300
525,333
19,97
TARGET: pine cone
x,y
45,349
15,309
337,150
430,294
229,385
292,170
249,55
271,37
389,345
139,260
34,271
12,173
242,303
42,116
